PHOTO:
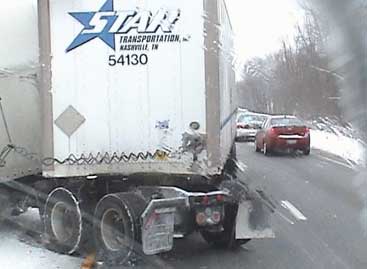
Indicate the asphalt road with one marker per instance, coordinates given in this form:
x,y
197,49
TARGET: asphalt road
x,y
323,188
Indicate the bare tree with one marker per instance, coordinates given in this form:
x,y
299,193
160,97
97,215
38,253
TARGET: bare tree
x,y
297,79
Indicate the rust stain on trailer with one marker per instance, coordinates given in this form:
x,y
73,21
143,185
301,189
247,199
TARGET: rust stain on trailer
x,y
161,155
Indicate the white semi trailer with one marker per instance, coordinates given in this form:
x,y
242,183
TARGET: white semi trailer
x,y
126,141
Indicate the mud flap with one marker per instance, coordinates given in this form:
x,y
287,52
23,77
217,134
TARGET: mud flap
x,y
253,220
158,225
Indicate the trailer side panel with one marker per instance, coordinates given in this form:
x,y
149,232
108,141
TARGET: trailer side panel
x,y
20,112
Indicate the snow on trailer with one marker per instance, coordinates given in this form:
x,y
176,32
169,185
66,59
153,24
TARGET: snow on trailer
x,y
136,122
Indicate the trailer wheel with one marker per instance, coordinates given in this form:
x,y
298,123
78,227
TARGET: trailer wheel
x,y
66,224
5,205
117,227
226,238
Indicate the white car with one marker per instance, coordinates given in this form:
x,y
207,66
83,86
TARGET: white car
x,y
248,124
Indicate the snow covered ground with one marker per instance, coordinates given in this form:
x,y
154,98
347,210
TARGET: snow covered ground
x,y
350,149
23,256
21,247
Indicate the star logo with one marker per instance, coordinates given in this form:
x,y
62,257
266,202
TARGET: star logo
x,y
107,22
109,17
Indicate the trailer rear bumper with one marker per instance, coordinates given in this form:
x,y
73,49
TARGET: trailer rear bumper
x,y
177,208
158,222
170,214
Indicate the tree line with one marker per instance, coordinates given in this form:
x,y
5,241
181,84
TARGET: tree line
x,y
300,78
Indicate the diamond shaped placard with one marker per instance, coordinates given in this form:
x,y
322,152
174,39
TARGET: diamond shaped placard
x,y
69,121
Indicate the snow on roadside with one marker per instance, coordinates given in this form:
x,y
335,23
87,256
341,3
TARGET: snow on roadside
x,y
351,149
18,251
18,255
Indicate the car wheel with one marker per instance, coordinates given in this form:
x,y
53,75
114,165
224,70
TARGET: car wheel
x,y
266,150
307,151
257,149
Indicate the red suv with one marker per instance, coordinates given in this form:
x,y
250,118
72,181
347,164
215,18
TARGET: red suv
x,y
283,133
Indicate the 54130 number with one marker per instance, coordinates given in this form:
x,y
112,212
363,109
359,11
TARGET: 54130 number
x,y
129,59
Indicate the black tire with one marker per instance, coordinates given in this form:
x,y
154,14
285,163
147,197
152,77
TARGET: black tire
x,y
41,214
5,205
257,149
43,190
266,150
307,151
67,221
117,227
227,238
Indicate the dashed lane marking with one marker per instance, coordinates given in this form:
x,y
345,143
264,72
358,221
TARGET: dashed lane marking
x,y
293,210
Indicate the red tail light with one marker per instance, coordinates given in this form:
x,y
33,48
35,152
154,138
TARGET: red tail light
x,y
272,131
307,131
220,198
205,200
243,126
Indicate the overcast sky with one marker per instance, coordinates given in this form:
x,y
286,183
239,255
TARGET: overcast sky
x,y
259,26
18,33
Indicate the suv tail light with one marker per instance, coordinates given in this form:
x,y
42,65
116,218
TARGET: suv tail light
x,y
307,132
272,131
243,126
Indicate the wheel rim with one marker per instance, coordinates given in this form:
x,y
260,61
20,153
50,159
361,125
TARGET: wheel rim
x,y
112,230
63,222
